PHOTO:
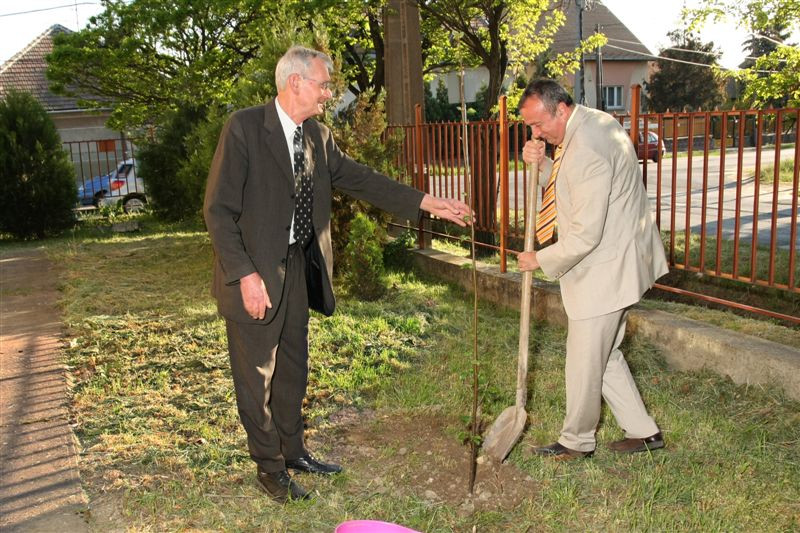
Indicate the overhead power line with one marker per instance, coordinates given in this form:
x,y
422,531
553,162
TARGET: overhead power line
x,y
674,60
49,8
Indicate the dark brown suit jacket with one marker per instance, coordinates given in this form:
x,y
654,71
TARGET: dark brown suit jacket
x,y
249,203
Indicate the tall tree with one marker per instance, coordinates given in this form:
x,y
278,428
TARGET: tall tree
x,y
761,45
355,30
685,77
147,57
775,75
497,35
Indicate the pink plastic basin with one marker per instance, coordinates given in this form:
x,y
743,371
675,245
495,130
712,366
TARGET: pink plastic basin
x,y
371,526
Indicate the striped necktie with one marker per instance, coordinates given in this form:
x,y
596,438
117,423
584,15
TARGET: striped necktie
x,y
546,219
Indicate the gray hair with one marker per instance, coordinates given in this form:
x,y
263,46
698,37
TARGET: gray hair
x,y
297,60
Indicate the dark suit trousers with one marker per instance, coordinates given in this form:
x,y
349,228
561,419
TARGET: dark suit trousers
x,y
269,364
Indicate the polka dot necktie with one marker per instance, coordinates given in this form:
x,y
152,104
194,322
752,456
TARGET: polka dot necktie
x,y
304,191
546,220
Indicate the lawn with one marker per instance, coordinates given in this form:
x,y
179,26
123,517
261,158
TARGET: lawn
x,y
161,443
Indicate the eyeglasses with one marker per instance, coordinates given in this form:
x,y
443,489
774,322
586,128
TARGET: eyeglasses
x,y
324,85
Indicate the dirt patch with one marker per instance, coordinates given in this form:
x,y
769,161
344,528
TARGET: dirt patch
x,y
412,454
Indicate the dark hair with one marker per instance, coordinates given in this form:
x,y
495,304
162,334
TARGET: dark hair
x,y
549,92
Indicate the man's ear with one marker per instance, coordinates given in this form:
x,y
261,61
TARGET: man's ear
x,y
294,81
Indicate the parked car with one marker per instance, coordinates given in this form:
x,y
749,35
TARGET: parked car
x,y
120,186
654,148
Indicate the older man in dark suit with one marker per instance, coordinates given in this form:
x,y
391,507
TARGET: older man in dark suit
x,y
267,209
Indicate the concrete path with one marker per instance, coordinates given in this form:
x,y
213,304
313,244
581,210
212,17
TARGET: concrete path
x,y
40,487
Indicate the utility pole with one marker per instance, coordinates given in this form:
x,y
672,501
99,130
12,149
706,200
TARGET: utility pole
x,y
403,57
601,101
580,97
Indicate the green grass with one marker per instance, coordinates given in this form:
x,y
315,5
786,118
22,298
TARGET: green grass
x,y
785,173
156,418
726,263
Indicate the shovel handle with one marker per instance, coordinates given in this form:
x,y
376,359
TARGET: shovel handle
x,y
527,282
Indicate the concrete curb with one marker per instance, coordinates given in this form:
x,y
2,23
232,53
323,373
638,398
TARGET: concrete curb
x,y
686,344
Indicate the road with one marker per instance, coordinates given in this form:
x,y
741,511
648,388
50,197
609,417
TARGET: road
x,y
689,196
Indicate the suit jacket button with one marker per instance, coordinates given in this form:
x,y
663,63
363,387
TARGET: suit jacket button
x,y
283,260
292,197
288,228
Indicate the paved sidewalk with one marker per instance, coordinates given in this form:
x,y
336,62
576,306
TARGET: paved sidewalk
x,y
40,488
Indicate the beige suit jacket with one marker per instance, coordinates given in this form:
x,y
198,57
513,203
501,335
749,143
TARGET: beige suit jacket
x,y
608,251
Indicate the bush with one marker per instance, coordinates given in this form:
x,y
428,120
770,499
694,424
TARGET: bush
x,y
161,162
37,179
364,273
359,132
397,252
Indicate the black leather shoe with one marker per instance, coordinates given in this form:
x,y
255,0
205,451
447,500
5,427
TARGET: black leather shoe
x,y
308,463
558,451
653,442
280,486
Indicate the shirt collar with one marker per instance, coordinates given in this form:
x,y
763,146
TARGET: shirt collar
x,y
287,123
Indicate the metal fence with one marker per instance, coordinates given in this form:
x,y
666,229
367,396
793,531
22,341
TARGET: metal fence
x,y
95,159
718,215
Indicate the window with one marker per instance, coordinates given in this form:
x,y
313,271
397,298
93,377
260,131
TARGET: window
x,y
613,97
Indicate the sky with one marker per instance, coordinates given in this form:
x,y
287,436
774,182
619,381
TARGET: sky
x,y
649,20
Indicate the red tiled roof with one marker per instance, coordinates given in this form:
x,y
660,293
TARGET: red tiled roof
x,y
26,72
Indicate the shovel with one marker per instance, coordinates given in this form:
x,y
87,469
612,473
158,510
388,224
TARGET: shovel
x,y
506,430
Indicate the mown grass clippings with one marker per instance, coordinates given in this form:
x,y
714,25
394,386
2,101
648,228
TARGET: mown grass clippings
x,y
157,421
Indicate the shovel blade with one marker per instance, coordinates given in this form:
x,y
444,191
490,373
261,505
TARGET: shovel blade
x,y
504,433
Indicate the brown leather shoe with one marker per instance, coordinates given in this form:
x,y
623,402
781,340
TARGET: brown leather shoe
x,y
653,442
280,486
559,452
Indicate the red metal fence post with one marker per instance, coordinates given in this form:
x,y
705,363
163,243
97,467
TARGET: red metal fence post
x,y
503,181
636,95
420,169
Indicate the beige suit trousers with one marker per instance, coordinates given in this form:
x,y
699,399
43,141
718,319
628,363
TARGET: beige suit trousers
x,y
595,369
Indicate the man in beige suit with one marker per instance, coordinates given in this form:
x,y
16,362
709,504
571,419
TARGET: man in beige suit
x,y
607,254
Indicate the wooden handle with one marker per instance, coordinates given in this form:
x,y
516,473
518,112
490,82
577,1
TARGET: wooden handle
x,y
527,282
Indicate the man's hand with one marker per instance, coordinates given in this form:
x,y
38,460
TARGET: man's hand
x,y
533,151
254,295
453,210
527,261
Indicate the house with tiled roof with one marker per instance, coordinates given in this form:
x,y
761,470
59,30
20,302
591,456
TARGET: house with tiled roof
x,y
25,71
625,60
94,149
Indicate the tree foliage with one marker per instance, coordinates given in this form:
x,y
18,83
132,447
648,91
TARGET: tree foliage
x,y
438,107
146,58
37,179
683,79
498,35
355,30
774,76
176,159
